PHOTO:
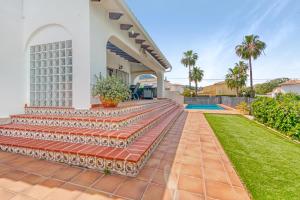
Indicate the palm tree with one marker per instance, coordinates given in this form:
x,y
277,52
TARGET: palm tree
x,y
189,60
237,76
251,48
197,76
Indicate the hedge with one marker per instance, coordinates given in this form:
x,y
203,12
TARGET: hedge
x,y
281,113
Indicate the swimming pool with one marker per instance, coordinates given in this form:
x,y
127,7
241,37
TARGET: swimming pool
x,y
204,107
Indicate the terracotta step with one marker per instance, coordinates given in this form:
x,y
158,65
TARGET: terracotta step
x,y
107,123
114,138
126,161
122,109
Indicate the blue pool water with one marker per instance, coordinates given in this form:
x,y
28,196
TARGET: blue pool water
x,y
204,107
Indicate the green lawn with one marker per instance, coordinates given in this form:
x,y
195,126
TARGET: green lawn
x,y
268,164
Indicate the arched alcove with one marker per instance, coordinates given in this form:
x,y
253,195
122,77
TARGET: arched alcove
x,y
49,58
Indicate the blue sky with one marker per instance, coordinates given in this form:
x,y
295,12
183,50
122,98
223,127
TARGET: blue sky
x,y
213,28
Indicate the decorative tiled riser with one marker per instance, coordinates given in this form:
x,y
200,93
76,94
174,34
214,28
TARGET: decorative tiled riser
x,y
115,166
85,112
81,124
103,141
77,123
5,121
120,167
81,113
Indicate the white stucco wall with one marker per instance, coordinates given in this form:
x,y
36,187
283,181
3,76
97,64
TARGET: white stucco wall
x,y
12,80
291,88
29,22
114,61
98,40
44,17
286,89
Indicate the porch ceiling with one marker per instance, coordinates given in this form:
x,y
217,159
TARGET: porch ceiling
x,y
113,48
119,12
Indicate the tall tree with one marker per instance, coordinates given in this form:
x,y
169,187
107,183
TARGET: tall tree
x,y
264,88
250,49
189,60
237,77
197,76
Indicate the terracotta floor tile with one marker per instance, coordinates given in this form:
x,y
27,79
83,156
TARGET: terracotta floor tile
x,y
235,180
213,164
219,190
72,187
109,183
33,166
20,161
211,156
67,173
96,195
86,178
132,188
180,194
191,170
64,193
165,164
192,161
13,174
41,190
50,169
4,155
160,177
51,183
153,163
175,168
206,149
5,194
22,197
155,192
33,179
216,175
7,158
146,174
11,182
190,184
4,168
241,193
157,155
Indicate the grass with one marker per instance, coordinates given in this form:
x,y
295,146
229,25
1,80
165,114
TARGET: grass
x,y
268,164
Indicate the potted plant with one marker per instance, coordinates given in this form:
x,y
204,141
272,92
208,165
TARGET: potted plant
x,y
110,90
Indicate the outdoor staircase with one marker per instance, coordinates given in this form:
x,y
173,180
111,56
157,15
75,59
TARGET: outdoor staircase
x,y
119,140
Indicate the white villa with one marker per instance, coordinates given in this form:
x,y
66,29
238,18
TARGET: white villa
x,y
52,50
291,86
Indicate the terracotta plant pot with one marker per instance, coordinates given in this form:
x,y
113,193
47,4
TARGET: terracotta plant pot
x,y
108,103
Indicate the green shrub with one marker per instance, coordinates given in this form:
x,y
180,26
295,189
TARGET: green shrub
x,y
107,171
243,107
281,113
295,132
188,92
111,88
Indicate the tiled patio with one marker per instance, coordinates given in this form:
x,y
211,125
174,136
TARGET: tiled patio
x,y
188,164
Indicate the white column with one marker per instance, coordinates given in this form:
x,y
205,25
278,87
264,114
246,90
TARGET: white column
x,y
160,85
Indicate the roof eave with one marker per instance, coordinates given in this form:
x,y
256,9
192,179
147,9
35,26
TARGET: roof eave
x,y
144,32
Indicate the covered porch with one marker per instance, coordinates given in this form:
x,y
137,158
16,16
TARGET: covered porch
x,y
128,69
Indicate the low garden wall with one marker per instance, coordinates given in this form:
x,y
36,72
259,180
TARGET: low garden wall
x,y
234,101
202,100
228,101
